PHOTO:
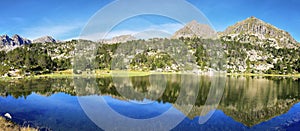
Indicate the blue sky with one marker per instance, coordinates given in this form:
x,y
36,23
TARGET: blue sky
x,y
65,19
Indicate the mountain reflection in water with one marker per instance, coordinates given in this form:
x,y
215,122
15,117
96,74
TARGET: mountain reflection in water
x,y
247,102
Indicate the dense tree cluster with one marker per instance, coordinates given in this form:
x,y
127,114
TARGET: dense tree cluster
x,y
32,59
155,54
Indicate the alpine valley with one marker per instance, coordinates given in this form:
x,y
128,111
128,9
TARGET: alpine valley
x,y
249,46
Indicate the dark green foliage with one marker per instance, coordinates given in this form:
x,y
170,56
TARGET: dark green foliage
x,y
34,59
152,55
62,64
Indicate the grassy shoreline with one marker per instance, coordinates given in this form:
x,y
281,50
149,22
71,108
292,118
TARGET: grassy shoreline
x,y
6,125
109,73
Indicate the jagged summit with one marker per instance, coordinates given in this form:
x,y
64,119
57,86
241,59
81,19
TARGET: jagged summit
x,y
253,25
254,30
16,40
192,23
4,39
253,18
194,28
9,43
45,39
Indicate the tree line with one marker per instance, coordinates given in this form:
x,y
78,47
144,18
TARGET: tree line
x,y
155,54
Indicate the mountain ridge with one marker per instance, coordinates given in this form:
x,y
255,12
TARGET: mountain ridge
x,y
254,30
44,39
251,30
15,40
195,29
119,39
8,43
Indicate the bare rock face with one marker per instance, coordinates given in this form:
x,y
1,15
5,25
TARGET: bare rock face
x,y
45,39
253,30
16,40
8,43
5,40
195,29
119,39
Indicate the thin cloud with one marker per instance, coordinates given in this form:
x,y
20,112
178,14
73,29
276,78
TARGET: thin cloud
x,y
57,31
170,28
104,35
165,29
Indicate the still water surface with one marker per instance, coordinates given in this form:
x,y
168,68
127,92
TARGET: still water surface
x,y
247,103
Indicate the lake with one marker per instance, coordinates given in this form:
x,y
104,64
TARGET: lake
x,y
155,102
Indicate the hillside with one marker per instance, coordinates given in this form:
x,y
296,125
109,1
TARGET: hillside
x,y
258,47
249,46
255,31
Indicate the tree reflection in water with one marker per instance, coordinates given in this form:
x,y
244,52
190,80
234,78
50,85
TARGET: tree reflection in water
x,y
249,100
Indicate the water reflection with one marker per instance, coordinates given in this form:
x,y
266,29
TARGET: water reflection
x,y
245,99
253,100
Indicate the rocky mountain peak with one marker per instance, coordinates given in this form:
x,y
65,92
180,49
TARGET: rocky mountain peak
x,y
4,39
119,39
192,23
45,39
16,40
5,36
251,25
253,18
253,30
16,36
195,29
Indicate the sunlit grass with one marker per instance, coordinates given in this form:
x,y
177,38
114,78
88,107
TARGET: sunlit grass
x,y
6,125
109,73
123,73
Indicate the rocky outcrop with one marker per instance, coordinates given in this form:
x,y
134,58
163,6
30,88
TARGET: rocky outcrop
x,y
255,31
16,40
195,29
45,39
9,43
5,40
119,39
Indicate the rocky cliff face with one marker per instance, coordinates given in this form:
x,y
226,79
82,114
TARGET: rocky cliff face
x,y
16,40
256,31
9,43
195,29
5,40
45,39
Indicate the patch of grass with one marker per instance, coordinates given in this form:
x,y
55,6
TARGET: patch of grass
x,y
119,73
6,125
96,73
